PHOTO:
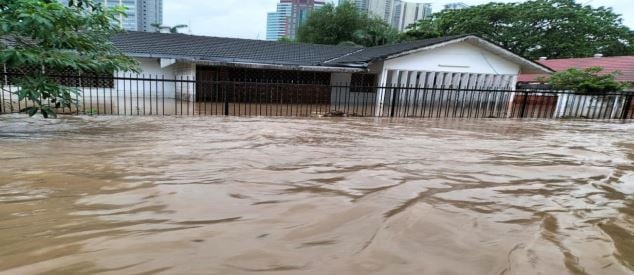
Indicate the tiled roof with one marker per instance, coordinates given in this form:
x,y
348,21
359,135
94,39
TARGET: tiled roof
x,y
226,49
623,64
380,52
233,50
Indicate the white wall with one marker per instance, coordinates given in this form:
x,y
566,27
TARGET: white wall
x,y
589,106
150,68
459,57
340,90
460,65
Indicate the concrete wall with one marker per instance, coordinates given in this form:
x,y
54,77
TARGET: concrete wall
x,y
461,57
340,87
589,106
455,66
174,86
185,71
343,100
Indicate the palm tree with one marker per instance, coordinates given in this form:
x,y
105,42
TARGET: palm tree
x,y
157,26
173,29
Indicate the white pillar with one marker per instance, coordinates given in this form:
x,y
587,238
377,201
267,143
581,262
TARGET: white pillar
x,y
380,94
510,103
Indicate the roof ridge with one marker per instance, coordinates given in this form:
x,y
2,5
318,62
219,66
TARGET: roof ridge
x,y
242,39
589,57
350,53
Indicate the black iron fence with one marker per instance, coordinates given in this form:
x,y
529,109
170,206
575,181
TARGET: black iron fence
x,y
184,96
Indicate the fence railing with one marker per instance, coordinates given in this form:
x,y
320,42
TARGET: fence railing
x,y
183,96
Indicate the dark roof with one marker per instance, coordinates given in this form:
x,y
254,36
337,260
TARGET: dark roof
x,y
234,50
381,52
226,49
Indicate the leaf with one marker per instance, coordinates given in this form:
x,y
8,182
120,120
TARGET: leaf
x,y
33,111
52,37
47,112
535,28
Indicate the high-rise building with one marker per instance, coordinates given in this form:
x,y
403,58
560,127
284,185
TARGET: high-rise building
x,y
287,18
149,12
455,6
362,5
379,8
139,14
407,13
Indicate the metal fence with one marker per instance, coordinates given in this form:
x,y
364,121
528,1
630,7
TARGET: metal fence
x,y
182,96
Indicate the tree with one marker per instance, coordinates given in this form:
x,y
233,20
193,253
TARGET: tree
x,y
375,33
157,27
173,29
536,28
345,24
589,80
44,37
285,39
423,29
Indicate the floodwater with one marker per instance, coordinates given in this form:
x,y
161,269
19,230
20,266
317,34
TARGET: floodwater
x,y
150,195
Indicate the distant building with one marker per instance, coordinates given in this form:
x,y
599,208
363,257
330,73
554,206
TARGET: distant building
x,y
379,8
139,14
290,14
407,13
361,5
455,6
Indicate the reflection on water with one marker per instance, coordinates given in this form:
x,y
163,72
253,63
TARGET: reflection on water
x,y
318,196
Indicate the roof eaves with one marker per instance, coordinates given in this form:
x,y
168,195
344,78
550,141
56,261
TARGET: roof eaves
x,y
463,38
251,63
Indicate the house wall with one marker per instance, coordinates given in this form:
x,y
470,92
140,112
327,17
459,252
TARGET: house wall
x,y
455,66
359,101
340,90
460,57
590,106
173,86
185,71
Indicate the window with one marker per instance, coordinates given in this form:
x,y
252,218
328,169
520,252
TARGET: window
x,y
66,78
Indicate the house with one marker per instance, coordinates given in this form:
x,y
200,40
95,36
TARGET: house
x,y
455,62
569,105
622,64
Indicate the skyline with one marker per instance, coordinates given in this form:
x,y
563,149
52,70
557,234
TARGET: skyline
x,y
247,18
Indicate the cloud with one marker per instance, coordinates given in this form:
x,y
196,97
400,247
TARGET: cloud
x,y
226,18
247,18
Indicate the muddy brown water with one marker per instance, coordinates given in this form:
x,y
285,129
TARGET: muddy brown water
x,y
84,195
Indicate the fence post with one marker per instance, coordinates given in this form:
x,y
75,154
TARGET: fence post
x,y
226,99
395,91
626,108
524,104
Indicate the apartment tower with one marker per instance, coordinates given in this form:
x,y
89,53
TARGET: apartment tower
x,y
139,14
287,18
408,13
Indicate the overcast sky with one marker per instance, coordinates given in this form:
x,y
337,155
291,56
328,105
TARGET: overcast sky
x,y
247,18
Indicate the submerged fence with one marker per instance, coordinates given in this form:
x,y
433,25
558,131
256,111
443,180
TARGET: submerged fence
x,y
181,96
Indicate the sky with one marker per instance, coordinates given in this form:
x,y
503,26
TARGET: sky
x,y
247,18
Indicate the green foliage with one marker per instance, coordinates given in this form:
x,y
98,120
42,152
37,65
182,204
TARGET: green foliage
x,y
285,39
51,37
173,29
375,33
589,80
535,28
345,24
423,29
